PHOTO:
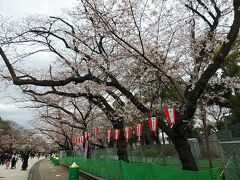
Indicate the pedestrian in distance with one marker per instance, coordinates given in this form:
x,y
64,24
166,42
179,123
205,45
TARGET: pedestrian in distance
x,y
8,159
38,155
25,157
13,162
16,161
2,159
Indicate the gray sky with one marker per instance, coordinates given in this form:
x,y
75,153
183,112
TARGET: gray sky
x,y
17,9
20,8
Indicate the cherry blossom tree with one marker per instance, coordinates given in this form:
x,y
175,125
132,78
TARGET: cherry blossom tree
x,y
62,118
15,138
115,112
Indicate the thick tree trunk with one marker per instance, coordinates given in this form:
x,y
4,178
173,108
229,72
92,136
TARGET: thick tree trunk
x,y
121,143
68,144
122,149
184,151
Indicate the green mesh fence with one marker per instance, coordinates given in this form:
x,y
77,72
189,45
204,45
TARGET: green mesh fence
x,y
118,170
231,159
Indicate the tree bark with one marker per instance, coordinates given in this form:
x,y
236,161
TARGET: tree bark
x,y
121,143
184,151
205,130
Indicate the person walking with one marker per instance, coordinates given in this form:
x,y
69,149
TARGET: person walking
x,y
16,161
8,159
2,159
13,162
25,157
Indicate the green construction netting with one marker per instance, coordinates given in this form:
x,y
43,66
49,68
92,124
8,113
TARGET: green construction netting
x,y
234,169
119,170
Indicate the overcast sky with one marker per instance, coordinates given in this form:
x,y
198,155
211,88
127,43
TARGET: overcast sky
x,y
17,9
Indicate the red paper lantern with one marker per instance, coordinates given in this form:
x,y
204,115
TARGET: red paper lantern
x,y
127,132
138,130
86,135
171,115
109,135
82,139
96,133
116,134
73,140
153,122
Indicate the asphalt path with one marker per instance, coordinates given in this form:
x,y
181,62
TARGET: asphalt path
x,y
45,170
17,174
38,169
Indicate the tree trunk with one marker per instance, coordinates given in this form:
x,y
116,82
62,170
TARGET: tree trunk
x,y
205,130
122,149
87,149
184,151
68,144
121,143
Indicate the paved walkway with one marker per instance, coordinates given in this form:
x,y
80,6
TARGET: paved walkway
x,y
17,174
38,169
49,172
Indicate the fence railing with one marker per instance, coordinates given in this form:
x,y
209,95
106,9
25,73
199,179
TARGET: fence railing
x,y
119,170
230,155
164,155
224,155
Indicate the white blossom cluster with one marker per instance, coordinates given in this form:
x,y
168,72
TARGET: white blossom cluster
x,y
228,82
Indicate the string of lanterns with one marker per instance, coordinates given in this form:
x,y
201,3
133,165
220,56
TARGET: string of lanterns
x,y
153,123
